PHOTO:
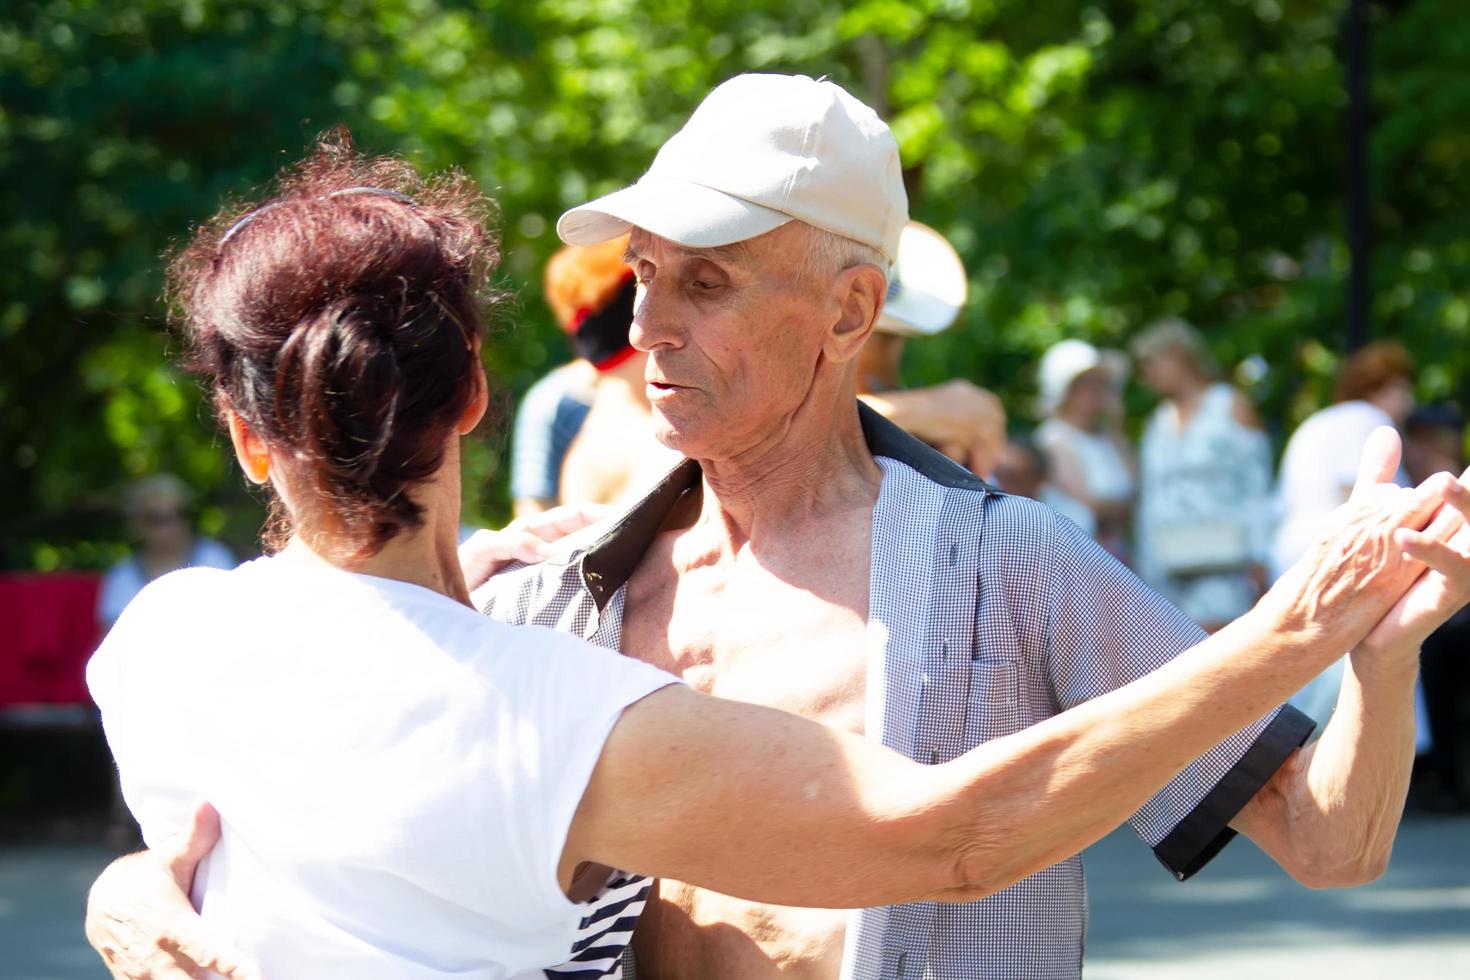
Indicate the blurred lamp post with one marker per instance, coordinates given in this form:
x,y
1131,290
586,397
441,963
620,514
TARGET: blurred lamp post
x,y
1359,233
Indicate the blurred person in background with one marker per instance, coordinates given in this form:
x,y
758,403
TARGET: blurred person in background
x,y
1203,526
549,415
1375,387
1022,470
614,455
552,410
1082,435
158,512
1434,441
926,290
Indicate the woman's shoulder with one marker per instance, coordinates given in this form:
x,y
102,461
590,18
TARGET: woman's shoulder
x,y
180,591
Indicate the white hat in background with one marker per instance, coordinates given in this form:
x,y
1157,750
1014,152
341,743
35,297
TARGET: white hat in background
x,y
760,151
1067,360
927,287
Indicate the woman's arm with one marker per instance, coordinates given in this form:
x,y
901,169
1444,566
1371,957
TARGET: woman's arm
x,y
762,805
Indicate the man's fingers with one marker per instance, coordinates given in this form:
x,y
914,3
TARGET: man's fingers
x,y
207,953
1379,460
182,855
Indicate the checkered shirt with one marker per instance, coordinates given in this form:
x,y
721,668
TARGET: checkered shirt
x,y
988,613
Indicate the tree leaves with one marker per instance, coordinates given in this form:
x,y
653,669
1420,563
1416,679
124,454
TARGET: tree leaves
x,y
1097,164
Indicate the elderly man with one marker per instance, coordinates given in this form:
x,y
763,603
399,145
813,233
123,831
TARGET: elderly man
x,y
810,556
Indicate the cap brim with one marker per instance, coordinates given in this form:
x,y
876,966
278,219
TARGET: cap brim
x,y
927,287
683,212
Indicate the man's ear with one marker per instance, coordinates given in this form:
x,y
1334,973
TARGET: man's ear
x,y
250,449
860,292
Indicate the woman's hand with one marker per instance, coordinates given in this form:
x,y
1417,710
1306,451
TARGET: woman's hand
x,y
139,917
524,539
1441,590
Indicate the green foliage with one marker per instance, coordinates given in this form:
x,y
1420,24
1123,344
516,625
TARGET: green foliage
x,y
1098,165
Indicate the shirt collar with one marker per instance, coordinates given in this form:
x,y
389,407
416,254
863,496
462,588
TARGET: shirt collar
x,y
609,562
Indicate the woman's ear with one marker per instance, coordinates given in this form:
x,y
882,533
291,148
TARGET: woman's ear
x,y
250,449
479,402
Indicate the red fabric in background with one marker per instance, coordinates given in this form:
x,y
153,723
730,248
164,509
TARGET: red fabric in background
x,y
48,629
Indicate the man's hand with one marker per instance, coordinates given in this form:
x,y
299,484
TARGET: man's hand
x,y
524,539
140,919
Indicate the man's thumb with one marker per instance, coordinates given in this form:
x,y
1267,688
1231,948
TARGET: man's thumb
x,y
1379,462
182,854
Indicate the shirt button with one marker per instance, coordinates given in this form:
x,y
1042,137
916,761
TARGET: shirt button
x,y
954,554
902,958
934,758
944,649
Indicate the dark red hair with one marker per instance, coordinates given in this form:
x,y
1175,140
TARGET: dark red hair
x,y
340,319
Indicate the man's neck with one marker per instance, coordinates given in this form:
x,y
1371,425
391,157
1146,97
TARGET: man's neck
x,y
820,466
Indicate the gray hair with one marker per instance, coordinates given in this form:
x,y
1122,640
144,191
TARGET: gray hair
x,y
829,253
1175,334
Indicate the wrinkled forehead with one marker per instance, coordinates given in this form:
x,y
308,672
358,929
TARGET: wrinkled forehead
x,y
773,251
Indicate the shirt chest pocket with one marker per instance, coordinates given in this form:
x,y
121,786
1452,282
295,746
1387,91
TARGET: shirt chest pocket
x,y
995,693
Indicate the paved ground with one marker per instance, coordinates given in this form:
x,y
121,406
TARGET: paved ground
x,y
1240,918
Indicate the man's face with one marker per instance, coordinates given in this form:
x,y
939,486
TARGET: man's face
x,y
733,335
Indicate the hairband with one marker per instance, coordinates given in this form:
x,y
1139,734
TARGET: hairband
x,y
235,228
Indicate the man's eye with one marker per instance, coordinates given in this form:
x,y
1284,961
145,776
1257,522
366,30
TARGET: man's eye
x,y
705,285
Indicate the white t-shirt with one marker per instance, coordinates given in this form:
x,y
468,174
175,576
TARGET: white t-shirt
x,y
394,772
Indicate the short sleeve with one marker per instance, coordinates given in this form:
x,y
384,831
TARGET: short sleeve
x,y
568,695
1107,629
139,683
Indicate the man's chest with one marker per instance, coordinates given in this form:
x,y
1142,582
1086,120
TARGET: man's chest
x,y
748,634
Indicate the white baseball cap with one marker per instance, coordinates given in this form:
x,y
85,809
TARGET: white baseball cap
x,y
762,150
1066,361
927,287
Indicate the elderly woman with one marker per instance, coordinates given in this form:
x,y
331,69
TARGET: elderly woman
x,y
1082,436
1204,509
408,789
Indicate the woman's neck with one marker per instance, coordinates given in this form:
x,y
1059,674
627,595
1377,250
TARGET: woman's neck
x,y
428,555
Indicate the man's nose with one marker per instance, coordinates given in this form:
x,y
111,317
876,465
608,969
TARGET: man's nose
x,y
654,326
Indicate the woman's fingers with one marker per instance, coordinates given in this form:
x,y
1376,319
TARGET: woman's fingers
x,y
558,522
526,540
1418,507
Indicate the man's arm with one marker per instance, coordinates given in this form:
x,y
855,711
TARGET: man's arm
x,y
140,920
965,422
1329,815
